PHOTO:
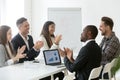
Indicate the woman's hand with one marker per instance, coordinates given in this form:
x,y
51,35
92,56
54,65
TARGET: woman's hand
x,y
21,50
20,53
58,39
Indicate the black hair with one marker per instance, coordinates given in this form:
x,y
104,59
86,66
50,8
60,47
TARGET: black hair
x,y
93,29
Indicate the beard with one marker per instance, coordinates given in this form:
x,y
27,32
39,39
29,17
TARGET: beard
x,y
83,39
103,33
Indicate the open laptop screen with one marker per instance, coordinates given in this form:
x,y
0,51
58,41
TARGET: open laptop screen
x,y
52,57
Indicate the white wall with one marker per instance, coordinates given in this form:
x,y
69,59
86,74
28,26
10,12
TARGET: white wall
x,y
2,11
28,12
92,11
10,11
68,23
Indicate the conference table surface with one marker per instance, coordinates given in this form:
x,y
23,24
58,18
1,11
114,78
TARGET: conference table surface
x,y
29,71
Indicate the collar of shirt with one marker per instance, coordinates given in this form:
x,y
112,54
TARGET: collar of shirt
x,y
25,40
108,38
24,37
88,41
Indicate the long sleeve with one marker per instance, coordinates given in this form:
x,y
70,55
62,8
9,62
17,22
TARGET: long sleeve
x,y
31,54
3,59
45,46
109,49
79,63
18,41
88,58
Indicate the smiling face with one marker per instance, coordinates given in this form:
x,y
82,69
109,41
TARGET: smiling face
x,y
103,28
24,28
51,29
9,35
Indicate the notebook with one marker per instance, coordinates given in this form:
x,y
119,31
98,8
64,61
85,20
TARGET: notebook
x,y
52,57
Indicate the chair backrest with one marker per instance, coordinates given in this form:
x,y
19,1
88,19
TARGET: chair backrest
x,y
107,69
95,73
69,76
114,62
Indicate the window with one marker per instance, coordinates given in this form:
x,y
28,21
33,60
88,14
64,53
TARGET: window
x,y
11,10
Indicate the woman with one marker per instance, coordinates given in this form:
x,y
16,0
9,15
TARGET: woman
x,y
7,55
50,42
48,37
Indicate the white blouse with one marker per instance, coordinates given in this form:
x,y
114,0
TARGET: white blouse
x,y
45,46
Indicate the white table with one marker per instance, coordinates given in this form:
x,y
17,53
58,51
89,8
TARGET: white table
x,y
31,71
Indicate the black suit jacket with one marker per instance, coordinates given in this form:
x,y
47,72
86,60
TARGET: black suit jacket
x,y
18,41
88,58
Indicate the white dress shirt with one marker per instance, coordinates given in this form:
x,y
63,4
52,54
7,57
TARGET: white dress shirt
x,y
25,40
88,41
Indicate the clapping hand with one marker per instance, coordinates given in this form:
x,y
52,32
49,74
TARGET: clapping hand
x,y
21,50
20,53
58,39
62,52
69,54
38,45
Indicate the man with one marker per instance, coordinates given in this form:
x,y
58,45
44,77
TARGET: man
x,y
22,38
110,42
89,56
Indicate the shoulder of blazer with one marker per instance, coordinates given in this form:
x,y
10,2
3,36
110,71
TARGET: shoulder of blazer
x,y
2,49
17,37
91,43
1,46
30,36
3,54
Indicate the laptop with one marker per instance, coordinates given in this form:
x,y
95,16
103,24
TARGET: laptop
x,y
52,57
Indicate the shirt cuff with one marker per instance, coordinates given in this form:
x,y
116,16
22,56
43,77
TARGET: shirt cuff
x,y
66,59
10,62
36,50
54,46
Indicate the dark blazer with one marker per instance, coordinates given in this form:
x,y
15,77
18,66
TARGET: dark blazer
x,y
88,58
18,41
